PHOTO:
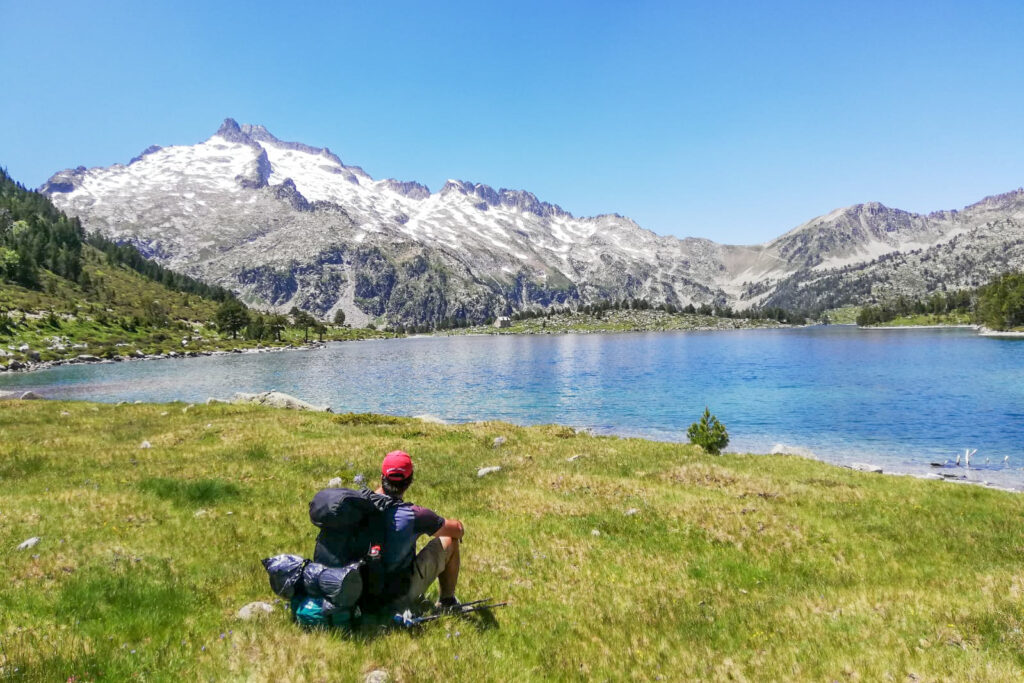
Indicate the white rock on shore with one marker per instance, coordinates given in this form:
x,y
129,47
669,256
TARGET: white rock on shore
x,y
20,396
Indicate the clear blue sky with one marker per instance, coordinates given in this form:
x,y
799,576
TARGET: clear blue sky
x,y
733,121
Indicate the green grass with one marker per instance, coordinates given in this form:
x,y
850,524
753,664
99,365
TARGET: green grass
x,y
847,315
736,567
956,318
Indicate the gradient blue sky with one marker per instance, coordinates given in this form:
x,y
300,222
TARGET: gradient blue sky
x,y
734,121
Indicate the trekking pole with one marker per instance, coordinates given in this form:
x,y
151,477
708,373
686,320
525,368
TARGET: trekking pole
x,y
407,620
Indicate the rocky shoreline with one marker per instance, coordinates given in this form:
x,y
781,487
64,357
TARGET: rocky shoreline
x,y
83,359
981,329
953,474
919,327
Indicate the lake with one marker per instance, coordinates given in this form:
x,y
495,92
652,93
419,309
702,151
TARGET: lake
x,y
897,398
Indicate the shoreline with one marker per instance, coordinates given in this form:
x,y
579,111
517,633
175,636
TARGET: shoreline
x,y
88,359
981,329
497,332
986,332
920,327
960,477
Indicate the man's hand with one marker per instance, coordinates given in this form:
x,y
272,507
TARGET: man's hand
x,y
452,528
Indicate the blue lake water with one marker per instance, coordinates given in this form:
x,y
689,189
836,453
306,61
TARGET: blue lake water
x,y
898,398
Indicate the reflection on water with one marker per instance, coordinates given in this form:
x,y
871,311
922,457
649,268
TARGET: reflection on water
x,y
900,398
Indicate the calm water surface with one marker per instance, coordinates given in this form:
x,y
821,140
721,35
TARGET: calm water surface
x,y
898,398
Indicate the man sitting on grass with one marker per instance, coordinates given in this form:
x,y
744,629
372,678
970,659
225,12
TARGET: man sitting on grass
x,y
405,523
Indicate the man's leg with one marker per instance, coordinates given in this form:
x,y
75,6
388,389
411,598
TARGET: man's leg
x,y
449,576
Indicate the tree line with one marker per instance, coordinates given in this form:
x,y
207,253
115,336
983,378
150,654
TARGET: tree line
x,y
599,308
998,305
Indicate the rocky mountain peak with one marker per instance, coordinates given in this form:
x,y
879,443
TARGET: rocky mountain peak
x,y
287,224
257,132
232,132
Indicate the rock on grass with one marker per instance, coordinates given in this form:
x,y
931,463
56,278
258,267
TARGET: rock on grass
x,y
254,610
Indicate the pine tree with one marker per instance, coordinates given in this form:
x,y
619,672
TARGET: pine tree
x,y
708,433
231,317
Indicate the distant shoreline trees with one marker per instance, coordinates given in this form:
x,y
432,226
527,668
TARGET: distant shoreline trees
x,y
998,305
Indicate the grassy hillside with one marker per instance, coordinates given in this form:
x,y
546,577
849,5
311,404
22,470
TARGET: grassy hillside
x,y
118,311
736,567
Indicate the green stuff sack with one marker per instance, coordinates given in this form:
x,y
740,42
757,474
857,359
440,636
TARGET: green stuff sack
x,y
312,612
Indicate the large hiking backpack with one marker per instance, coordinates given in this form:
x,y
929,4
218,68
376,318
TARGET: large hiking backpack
x,y
350,523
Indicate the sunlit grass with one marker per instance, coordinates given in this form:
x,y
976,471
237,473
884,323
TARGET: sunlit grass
x,y
733,567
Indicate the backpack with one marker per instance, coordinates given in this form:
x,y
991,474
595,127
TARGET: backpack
x,y
350,523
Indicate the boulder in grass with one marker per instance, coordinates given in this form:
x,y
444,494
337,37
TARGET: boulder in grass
x,y
499,441
865,467
145,444
335,483
377,676
276,399
254,610
28,543
484,471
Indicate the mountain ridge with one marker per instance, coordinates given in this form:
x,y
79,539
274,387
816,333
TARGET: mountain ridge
x,y
285,223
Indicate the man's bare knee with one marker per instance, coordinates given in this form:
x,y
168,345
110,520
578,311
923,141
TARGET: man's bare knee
x,y
450,545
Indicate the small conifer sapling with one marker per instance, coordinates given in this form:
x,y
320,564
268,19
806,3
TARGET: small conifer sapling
x,y
708,433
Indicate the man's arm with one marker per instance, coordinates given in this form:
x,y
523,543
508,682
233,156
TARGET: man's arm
x,y
452,528
432,524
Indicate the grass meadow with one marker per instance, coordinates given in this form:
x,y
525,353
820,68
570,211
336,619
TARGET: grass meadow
x,y
635,560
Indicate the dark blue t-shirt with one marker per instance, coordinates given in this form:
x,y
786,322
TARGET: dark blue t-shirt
x,y
405,524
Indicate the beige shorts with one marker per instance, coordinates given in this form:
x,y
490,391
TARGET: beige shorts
x,y
427,566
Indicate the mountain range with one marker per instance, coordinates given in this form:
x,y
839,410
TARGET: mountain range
x,y
285,224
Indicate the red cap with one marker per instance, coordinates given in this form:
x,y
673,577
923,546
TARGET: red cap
x,y
397,466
